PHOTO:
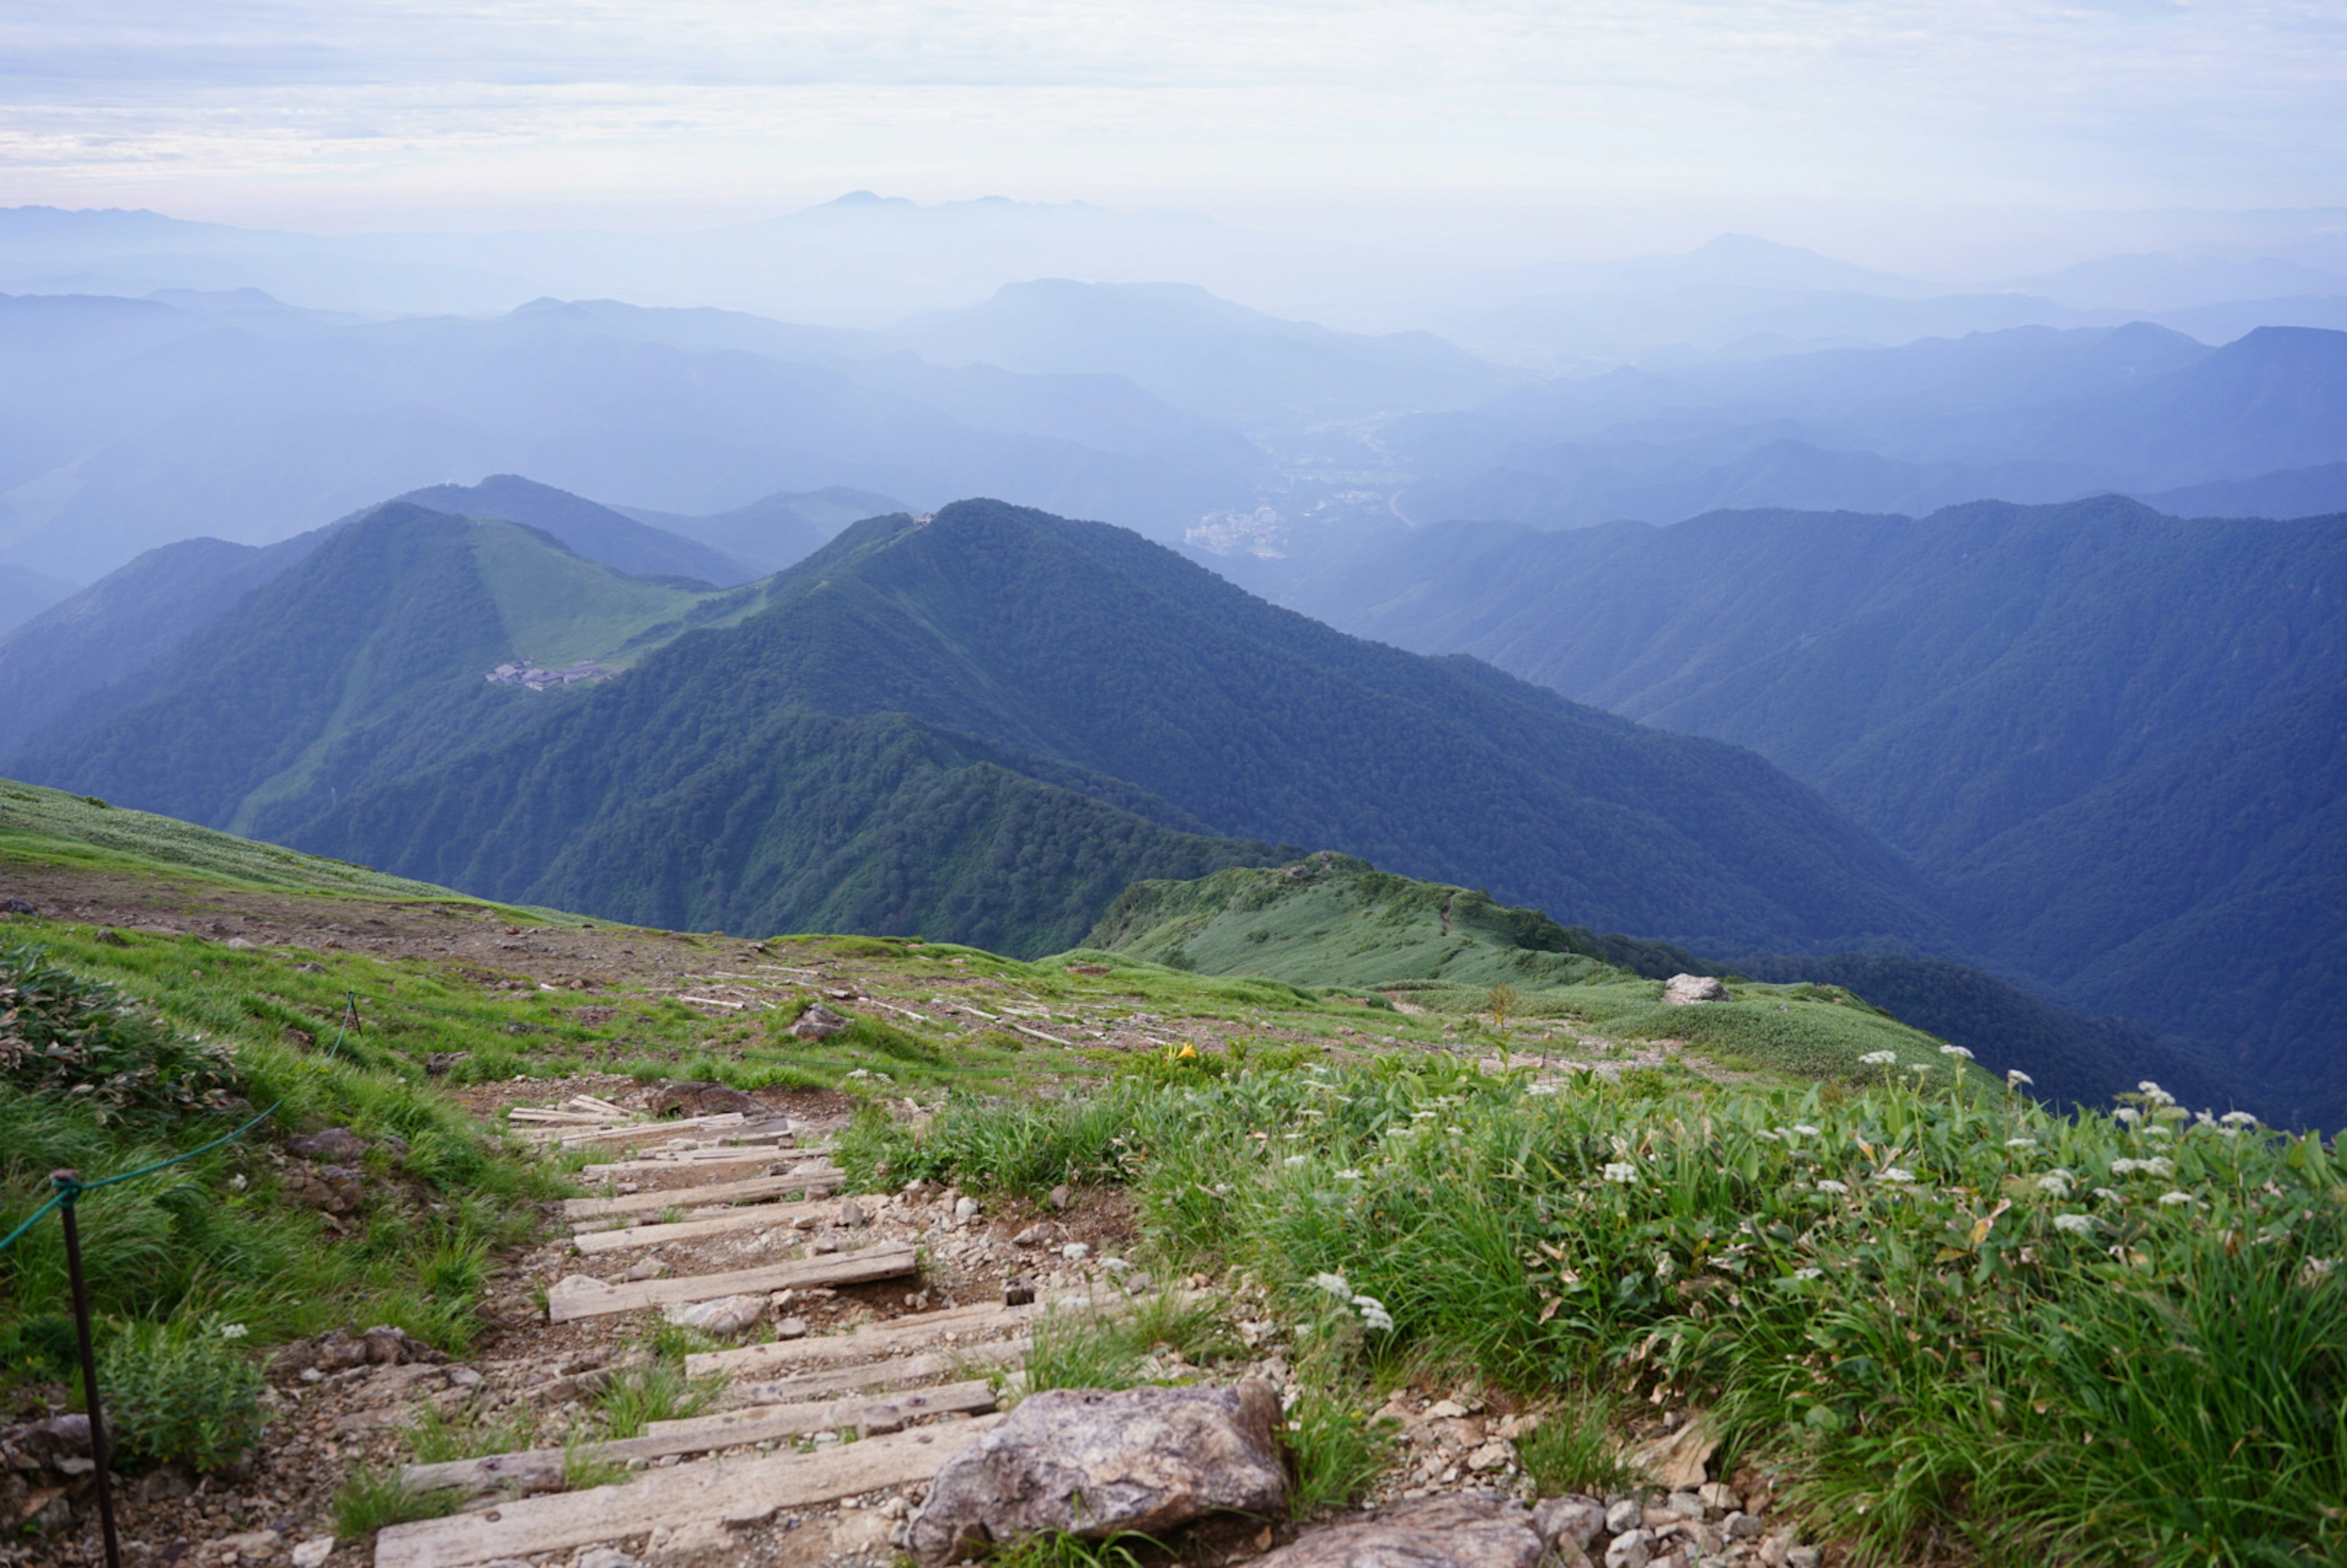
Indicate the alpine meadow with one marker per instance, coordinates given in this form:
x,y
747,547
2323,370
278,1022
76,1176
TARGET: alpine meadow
x,y
1067,786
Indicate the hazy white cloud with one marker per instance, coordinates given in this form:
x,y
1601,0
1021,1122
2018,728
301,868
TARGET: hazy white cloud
x,y
260,108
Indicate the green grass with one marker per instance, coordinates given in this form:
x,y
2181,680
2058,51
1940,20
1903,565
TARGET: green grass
x,y
370,1500
1079,1349
1952,1317
1572,1449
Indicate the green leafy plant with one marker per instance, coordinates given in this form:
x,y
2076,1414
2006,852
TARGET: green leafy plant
x,y
179,1393
61,1035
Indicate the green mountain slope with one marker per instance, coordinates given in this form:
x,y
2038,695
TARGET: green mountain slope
x,y
397,615
1091,647
2113,734
1333,920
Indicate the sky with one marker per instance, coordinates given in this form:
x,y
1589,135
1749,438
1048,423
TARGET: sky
x,y
1882,123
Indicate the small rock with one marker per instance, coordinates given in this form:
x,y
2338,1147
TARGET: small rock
x,y
1076,1251
853,1215
604,1557
1802,1557
1446,1411
1472,1531
1686,991
1719,1496
965,1211
1684,1506
440,1063
645,1269
727,1315
18,906
1095,1464
1018,1293
697,1098
791,1329
464,1377
1571,1520
239,943
1625,1516
1631,1549
108,936
314,1551
251,1543
1061,1197
823,1244
1044,1233
1741,1527
879,1420
339,1144
818,1022
1491,1456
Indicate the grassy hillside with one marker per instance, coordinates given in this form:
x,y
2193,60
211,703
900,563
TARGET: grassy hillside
x,y
2113,734
1333,920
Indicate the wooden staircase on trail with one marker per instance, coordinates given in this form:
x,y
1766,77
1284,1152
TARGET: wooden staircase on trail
x,y
902,1396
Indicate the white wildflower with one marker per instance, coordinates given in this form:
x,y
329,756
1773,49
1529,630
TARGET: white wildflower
x,y
1805,1130
1422,1115
2125,1167
1958,1052
1374,1316
1348,1176
2076,1224
1334,1284
2238,1119
2021,1143
1808,1274
2154,1093
2054,1185
234,1331
1621,1172
2158,1166
1893,1173
2110,1194
2157,1131
1837,1188
2013,1076
1294,1159
2312,1271
1541,1089
2170,1199
1880,1058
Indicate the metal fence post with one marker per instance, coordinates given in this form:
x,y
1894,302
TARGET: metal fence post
x,y
69,1186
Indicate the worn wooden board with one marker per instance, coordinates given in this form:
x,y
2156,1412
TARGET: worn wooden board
x,y
887,1261
744,1491
541,1470
653,1202
922,1331
726,1222
894,1372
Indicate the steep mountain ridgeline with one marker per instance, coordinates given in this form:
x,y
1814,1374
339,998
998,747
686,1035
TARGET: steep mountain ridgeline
x,y
343,709
356,651
1088,644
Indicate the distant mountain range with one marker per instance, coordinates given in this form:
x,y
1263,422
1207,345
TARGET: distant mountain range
x,y
2118,739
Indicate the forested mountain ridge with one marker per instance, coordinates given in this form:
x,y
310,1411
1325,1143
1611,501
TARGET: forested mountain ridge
x,y
1064,657
2106,730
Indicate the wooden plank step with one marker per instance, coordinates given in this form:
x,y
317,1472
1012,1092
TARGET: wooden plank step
x,y
922,1331
537,1116
710,1192
871,1377
674,1128
591,1102
724,1491
698,1161
887,1261
541,1470
724,1222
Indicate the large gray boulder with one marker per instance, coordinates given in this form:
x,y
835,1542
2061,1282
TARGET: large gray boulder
x,y
1686,990
1470,1530
1095,1464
